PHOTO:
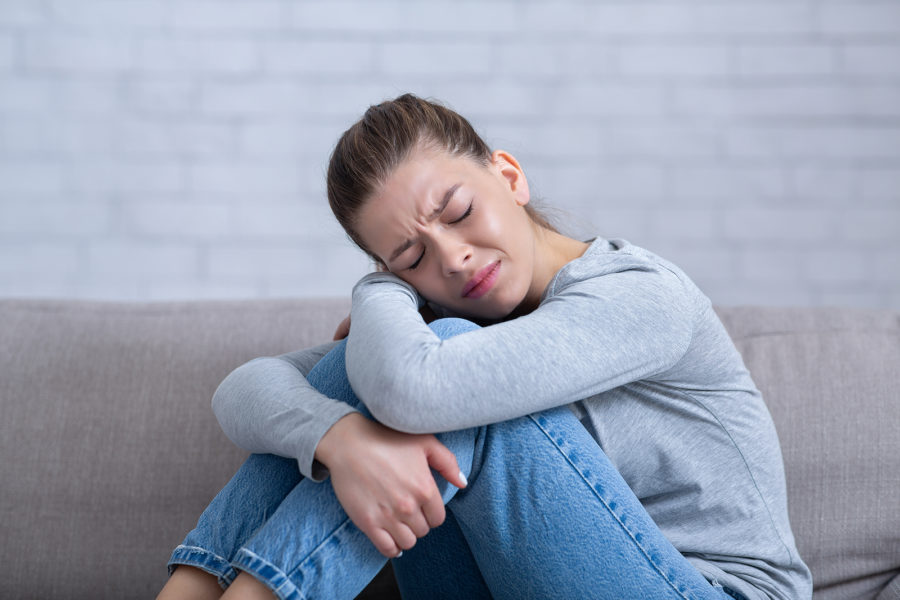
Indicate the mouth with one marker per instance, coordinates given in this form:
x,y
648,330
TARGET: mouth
x,y
482,282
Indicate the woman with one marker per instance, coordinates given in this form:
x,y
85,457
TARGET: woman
x,y
614,444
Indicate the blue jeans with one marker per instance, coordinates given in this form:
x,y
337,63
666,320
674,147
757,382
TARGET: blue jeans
x,y
545,515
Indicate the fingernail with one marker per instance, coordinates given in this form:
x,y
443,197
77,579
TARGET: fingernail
x,y
399,555
464,480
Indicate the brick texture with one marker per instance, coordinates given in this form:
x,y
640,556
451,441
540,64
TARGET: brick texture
x,y
156,149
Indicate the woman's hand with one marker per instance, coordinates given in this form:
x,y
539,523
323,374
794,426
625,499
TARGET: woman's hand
x,y
382,479
343,329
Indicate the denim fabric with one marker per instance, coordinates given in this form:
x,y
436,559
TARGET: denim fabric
x,y
545,515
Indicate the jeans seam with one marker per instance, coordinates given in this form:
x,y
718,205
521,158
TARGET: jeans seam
x,y
343,524
225,577
278,591
611,511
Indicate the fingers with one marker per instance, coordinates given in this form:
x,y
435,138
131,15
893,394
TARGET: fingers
x,y
444,462
343,329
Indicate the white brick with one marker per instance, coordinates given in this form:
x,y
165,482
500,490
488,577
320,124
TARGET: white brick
x,y
57,219
22,177
674,60
843,266
489,99
818,184
451,58
7,51
611,221
704,263
874,60
871,228
34,259
346,17
776,143
684,223
163,290
604,184
679,19
471,17
607,100
786,60
62,52
22,12
175,138
148,95
328,269
663,139
779,225
132,261
287,137
745,292
885,269
254,98
110,15
286,219
867,18
100,176
854,296
20,95
318,57
881,183
256,261
237,15
207,56
236,178
621,19
188,220
552,60
800,101
726,186
764,264
88,96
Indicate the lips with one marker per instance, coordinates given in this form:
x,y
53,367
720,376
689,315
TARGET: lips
x,y
482,282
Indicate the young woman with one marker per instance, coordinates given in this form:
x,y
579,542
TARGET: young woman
x,y
601,437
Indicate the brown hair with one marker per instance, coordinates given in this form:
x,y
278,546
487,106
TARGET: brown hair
x,y
369,151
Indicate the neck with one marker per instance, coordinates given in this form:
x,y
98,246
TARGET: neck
x,y
552,251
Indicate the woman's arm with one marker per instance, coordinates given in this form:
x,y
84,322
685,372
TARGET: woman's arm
x,y
603,331
267,406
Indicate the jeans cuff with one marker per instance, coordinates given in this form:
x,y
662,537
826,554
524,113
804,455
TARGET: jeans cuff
x,y
204,560
270,575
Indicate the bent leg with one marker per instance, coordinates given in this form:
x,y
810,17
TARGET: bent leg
x,y
309,548
547,515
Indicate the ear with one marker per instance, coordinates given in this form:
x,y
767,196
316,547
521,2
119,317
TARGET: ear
x,y
508,168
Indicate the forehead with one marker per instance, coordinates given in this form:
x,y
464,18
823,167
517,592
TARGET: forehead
x,y
408,196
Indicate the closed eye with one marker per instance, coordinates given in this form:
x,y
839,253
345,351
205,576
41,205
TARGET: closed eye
x,y
418,260
464,215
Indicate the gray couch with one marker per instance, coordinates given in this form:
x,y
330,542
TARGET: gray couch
x,y
110,450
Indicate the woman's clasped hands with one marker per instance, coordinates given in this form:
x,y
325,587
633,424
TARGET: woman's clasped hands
x,y
383,480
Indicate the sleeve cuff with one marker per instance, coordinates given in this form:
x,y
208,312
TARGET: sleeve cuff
x,y
306,461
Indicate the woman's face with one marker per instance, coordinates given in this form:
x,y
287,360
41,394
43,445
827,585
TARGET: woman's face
x,y
457,231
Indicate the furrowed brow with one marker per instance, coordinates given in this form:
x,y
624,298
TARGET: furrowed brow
x,y
448,195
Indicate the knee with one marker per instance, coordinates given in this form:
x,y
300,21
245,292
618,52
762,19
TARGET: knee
x,y
451,326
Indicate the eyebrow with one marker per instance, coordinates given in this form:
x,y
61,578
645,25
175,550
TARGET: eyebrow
x,y
448,195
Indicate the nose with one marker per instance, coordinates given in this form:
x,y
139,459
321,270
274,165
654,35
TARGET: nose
x,y
454,254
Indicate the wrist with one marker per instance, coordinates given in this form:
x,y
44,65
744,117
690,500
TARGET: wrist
x,y
335,439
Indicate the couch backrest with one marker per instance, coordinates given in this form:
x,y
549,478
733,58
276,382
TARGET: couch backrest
x,y
110,450
831,379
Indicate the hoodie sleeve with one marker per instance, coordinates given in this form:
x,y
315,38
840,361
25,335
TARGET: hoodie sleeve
x,y
628,323
267,406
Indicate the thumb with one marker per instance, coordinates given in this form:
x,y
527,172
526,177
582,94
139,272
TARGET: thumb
x,y
444,462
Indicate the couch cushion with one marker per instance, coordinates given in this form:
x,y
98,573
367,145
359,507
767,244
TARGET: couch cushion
x,y
831,378
110,449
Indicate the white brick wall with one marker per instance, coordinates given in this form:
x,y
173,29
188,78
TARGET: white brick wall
x,y
154,149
